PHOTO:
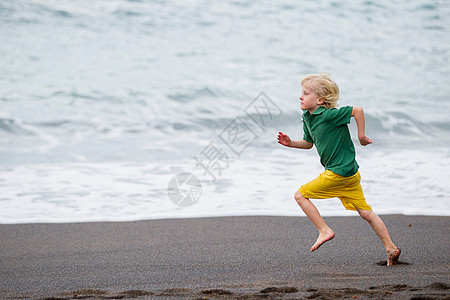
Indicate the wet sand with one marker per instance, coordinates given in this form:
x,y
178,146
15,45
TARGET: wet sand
x,y
232,257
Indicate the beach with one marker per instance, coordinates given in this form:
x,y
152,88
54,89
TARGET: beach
x,y
139,159
226,257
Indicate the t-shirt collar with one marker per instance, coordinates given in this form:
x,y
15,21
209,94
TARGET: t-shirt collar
x,y
318,111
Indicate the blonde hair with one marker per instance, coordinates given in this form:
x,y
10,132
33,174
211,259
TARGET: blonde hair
x,y
324,87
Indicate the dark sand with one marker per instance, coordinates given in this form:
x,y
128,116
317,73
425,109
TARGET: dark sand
x,y
235,257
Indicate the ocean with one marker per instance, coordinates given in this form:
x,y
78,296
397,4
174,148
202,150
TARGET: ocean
x,y
119,110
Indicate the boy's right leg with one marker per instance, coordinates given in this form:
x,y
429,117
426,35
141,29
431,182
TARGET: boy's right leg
x,y
325,232
393,252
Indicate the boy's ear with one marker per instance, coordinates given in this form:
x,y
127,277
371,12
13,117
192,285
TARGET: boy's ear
x,y
320,101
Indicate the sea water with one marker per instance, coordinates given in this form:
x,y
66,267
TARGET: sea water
x,y
104,103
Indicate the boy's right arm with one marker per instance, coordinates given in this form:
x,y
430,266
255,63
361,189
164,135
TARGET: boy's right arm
x,y
285,140
358,114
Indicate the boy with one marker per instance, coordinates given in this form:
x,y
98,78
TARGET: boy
x,y
326,127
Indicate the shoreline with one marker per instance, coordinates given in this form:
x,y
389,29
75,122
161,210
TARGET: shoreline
x,y
225,257
297,214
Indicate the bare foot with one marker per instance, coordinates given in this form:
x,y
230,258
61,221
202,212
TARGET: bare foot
x,y
393,256
322,239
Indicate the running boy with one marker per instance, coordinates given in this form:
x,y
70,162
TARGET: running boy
x,y
326,127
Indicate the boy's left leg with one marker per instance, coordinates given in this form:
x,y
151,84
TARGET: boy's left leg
x,y
322,187
325,232
393,252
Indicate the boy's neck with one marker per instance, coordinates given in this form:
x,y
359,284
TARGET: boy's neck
x,y
312,110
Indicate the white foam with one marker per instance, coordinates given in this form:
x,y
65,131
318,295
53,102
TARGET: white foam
x,y
405,182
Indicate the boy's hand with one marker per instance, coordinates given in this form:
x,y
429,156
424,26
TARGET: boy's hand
x,y
284,139
364,140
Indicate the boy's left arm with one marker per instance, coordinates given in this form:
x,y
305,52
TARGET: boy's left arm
x,y
358,114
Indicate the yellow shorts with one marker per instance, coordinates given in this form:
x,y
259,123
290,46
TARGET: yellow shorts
x,y
330,185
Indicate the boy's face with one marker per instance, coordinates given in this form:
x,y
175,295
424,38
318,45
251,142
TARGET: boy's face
x,y
309,100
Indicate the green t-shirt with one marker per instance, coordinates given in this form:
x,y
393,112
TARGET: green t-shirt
x,y
327,129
